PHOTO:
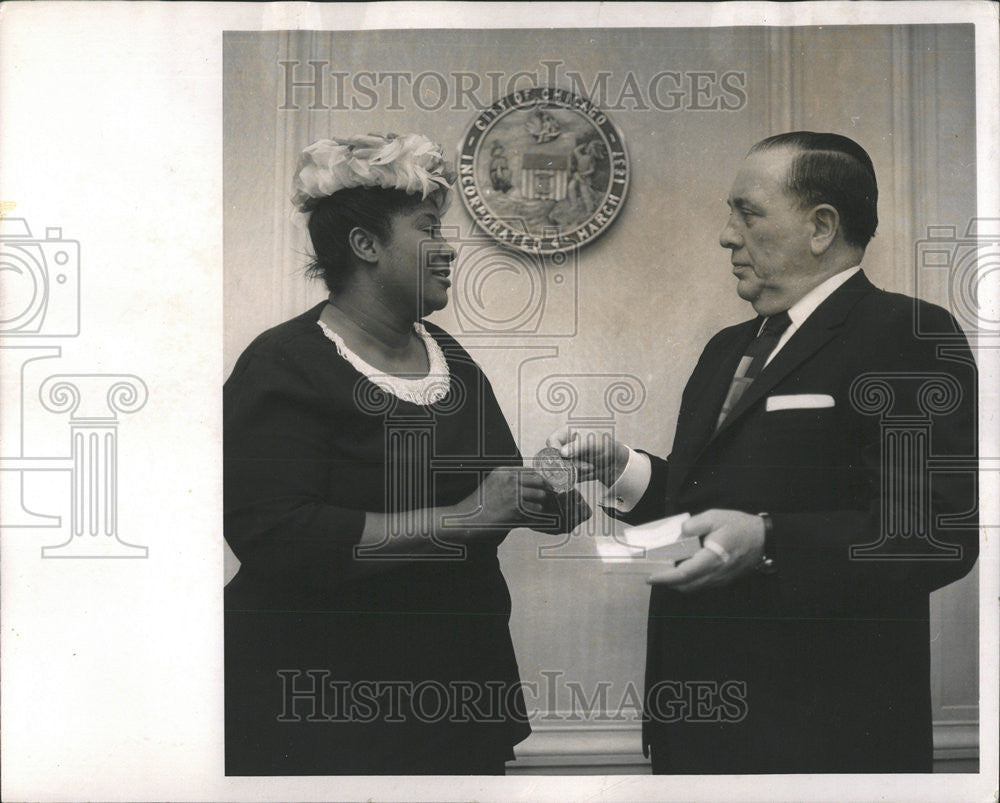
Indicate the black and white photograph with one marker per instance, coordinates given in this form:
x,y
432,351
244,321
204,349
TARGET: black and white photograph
x,y
499,401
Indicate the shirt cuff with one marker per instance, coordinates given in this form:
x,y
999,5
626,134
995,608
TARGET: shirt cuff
x,y
631,485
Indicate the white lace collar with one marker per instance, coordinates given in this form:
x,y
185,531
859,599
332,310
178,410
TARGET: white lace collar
x,y
425,390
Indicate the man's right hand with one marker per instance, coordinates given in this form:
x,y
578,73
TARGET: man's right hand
x,y
597,456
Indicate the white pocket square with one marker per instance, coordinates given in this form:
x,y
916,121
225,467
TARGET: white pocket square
x,y
799,401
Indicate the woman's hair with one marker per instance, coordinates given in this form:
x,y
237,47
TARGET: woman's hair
x,y
334,217
362,181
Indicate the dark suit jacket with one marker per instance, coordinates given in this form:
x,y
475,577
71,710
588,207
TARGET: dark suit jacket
x,y
827,661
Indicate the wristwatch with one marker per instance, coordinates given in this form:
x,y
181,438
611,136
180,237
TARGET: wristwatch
x,y
767,564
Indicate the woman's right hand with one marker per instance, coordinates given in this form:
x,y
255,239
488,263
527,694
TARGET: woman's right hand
x,y
509,497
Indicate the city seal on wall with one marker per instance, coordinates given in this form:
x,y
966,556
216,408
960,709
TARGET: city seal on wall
x,y
543,170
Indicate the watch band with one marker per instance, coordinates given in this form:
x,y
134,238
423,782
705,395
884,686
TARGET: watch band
x,y
767,564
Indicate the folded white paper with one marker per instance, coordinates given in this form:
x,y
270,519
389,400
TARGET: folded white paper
x,y
648,547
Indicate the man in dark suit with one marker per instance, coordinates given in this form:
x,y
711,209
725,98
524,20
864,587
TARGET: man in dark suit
x,y
803,450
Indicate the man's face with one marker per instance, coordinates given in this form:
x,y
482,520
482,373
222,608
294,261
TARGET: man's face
x,y
768,233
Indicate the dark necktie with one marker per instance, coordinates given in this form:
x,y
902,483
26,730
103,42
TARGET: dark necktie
x,y
753,360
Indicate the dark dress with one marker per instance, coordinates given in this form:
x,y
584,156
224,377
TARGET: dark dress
x,y
407,671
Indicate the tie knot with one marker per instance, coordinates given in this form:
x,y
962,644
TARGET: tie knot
x,y
776,324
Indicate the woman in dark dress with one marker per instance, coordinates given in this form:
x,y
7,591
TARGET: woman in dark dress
x,y
369,478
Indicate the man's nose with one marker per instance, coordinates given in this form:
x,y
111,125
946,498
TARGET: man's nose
x,y
728,237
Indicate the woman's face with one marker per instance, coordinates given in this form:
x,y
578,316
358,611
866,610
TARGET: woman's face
x,y
414,260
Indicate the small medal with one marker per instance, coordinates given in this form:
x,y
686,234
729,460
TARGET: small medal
x,y
557,471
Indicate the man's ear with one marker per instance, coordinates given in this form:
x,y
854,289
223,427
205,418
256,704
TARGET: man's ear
x,y
826,222
363,244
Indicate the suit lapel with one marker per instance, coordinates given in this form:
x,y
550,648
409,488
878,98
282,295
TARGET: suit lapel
x,y
817,330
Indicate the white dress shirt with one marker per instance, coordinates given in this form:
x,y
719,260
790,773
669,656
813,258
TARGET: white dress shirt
x,y
632,484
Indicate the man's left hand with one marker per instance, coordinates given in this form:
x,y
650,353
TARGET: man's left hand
x,y
732,546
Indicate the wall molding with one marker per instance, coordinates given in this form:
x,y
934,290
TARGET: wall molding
x,y
778,80
913,84
616,747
